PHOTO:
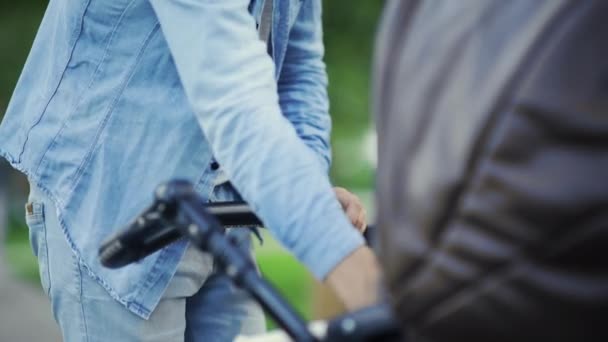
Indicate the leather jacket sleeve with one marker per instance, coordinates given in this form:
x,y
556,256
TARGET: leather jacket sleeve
x,y
515,248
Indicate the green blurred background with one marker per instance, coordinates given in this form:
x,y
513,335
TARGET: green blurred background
x,y
349,31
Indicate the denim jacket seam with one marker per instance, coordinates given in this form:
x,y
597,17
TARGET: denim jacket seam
x,y
138,308
94,144
57,83
89,85
9,157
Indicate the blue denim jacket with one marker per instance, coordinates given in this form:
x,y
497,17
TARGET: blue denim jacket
x,y
118,96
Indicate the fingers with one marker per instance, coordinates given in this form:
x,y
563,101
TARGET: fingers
x,y
362,221
353,211
356,214
343,197
353,208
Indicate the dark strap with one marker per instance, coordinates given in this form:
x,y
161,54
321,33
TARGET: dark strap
x,y
266,20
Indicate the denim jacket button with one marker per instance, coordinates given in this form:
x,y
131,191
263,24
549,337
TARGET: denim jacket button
x,y
215,166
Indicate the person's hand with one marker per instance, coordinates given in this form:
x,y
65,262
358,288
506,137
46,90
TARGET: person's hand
x,y
353,208
356,280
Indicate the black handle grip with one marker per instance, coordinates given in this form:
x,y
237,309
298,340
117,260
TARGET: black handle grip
x,y
145,235
233,214
150,232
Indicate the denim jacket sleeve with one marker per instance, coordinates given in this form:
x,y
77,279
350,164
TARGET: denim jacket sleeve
x,y
229,81
303,82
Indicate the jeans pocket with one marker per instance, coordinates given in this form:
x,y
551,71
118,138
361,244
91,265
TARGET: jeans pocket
x,y
34,217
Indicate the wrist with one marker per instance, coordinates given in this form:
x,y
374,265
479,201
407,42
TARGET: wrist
x,y
356,279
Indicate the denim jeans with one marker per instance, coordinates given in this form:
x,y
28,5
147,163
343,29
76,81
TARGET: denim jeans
x,y
198,305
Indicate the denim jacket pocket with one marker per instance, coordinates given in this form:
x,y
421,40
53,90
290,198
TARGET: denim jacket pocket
x,y
34,217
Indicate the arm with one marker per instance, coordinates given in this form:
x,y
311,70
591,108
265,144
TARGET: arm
x,y
303,82
303,98
228,79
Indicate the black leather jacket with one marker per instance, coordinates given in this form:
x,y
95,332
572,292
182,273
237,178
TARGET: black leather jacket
x,y
492,119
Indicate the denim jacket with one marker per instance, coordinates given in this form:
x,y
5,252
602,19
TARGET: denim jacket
x,y
119,96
